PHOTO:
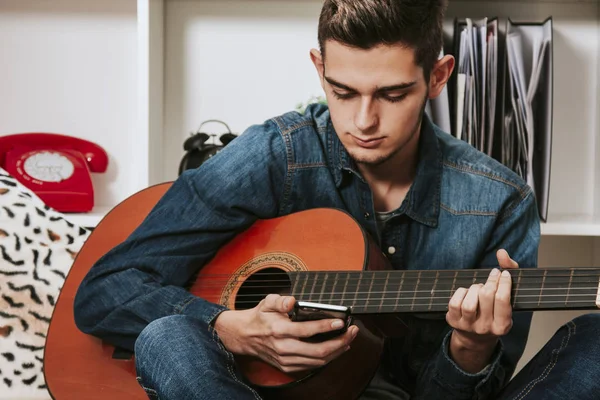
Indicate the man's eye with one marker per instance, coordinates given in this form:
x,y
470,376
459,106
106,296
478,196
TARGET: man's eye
x,y
342,96
395,99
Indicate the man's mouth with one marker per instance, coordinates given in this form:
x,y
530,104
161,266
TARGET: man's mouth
x,y
367,143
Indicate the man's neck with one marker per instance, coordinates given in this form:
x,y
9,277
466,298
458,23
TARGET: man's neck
x,y
391,180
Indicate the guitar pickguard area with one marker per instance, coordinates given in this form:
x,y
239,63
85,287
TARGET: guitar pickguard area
x,y
260,276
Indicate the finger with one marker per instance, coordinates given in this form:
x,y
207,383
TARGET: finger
x,y
304,329
502,306
455,304
487,298
321,350
290,364
470,304
504,260
277,303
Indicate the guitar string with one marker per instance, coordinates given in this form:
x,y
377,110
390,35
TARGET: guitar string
x,y
365,281
368,277
589,303
530,272
594,291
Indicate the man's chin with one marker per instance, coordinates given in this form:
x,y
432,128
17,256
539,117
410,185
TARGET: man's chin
x,y
369,160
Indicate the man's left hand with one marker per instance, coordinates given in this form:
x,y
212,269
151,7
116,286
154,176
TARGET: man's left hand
x,y
480,315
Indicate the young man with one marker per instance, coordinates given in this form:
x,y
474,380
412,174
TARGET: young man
x,y
430,201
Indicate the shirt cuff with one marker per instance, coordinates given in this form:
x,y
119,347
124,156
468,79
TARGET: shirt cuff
x,y
201,309
449,374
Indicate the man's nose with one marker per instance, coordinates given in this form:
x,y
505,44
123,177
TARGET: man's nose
x,y
366,117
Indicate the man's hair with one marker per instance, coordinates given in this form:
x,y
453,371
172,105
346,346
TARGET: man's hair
x,y
364,24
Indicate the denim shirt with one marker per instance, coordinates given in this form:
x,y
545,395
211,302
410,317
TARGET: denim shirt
x,y
461,208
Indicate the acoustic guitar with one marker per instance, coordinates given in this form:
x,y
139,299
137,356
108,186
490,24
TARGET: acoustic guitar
x,y
320,256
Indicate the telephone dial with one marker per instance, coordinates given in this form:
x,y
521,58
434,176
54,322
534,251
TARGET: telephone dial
x,y
198,150
55,167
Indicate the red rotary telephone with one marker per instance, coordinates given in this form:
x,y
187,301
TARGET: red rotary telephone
x,y
56,167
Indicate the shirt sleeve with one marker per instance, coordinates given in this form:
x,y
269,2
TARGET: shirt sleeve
x,y
144,278
518,232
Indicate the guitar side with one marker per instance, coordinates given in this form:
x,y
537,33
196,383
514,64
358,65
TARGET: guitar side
x,y
79,366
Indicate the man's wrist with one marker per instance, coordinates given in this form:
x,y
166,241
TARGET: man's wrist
x,y
470,353
472,342
226,327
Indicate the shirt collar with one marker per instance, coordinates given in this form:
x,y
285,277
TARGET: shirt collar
x,y
422,202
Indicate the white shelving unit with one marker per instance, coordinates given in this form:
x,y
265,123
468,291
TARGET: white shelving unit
x,y
137,76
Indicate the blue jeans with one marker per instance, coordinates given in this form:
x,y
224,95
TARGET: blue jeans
x,y
180,357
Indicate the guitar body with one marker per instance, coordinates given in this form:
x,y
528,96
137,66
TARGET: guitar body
x,y
80,366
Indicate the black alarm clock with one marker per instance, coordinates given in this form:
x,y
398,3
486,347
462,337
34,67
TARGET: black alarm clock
x,y
198,149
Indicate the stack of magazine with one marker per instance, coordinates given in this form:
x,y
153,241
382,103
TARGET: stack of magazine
x,y
499,98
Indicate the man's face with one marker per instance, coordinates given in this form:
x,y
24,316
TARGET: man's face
x,y
376,98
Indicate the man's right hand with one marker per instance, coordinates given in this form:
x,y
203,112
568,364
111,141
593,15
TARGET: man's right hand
x,y
267,332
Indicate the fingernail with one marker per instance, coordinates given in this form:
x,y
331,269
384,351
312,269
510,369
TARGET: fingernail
x,y
506,274
337,324
494,272
286,302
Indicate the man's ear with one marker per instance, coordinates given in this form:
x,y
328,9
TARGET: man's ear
x,y
317,59
440,73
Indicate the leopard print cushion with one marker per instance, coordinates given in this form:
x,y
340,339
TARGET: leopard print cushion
x,y
37,248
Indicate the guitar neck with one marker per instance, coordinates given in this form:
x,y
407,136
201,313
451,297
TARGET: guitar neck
x,y
423,291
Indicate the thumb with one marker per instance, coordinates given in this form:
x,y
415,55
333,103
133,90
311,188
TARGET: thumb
x,y
277,303
504,260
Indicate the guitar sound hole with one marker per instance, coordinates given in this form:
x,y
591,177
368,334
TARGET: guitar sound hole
x,y
259,285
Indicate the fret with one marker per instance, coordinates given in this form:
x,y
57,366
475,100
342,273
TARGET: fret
x,y
399,293
542,288
343,299
391,287
352,288
384,292
453,289
330,288
432,293
517,286
441,292
336,294
423,290
569,286
303,291
323,283
364,282
554,289
368,297
412,306
294,290
312,288
376,291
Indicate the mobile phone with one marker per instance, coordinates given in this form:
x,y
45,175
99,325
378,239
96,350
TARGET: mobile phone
x,y
308,311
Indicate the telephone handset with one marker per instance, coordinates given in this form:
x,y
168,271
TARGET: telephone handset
x,y
56,167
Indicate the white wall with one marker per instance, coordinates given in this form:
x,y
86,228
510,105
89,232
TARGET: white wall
x,y
69,66
239,61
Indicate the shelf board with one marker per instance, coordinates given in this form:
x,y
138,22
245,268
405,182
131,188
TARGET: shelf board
x,y
571,225
557,225
89,219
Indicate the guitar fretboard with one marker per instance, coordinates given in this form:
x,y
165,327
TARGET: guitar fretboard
x,y
383,292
